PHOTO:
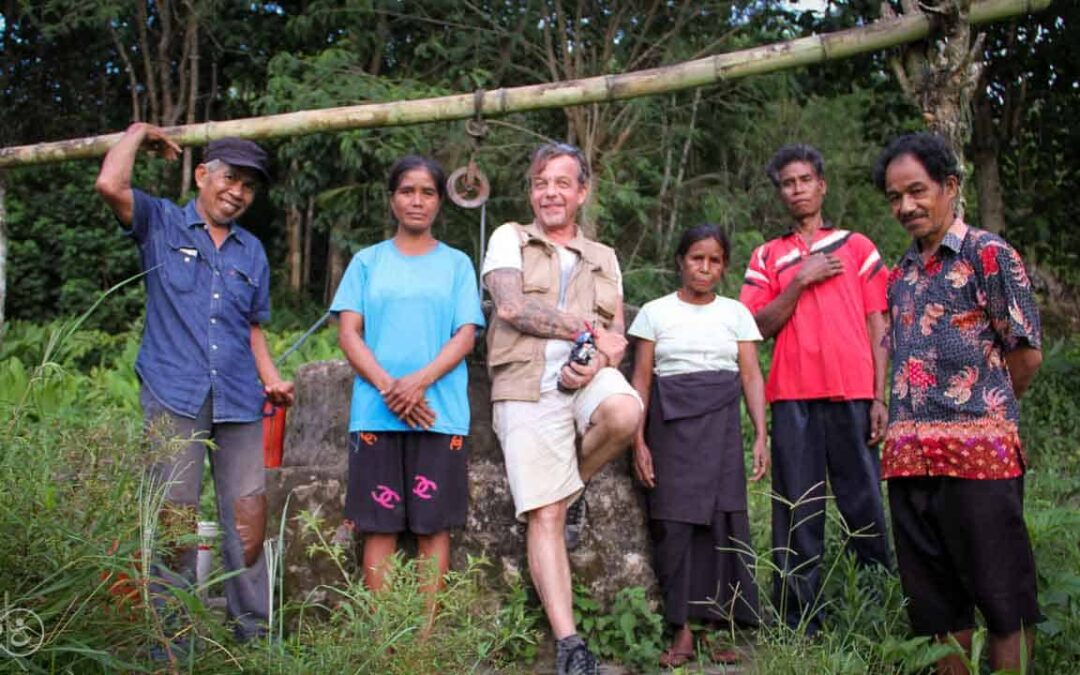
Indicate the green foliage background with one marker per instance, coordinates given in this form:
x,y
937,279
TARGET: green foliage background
x,y
662,163
69,437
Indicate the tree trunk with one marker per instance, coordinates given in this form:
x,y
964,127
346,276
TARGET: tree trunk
x,y
298,244
988,184
309,227
149,78
986,140
335,263
192,47
676,201
940,74
383,33
164,61
211,92
294,223
129,68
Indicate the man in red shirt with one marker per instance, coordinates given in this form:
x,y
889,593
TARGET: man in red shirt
x,y
820,291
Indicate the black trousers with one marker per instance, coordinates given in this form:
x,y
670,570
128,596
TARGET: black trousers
x,y
812,439
962,544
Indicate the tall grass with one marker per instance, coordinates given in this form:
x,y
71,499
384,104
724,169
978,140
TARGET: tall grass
x,y
865,626
74,508
358,631
80,518
867,629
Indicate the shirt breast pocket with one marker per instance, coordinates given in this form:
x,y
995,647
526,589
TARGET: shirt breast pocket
x,y
181,265
241,286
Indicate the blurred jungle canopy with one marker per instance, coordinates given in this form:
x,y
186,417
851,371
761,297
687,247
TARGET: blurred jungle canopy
x,y
662,163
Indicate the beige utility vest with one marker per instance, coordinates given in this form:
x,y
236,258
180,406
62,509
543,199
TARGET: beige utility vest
x,y
516,360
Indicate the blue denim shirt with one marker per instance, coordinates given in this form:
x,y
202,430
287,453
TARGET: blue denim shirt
x,y
200,304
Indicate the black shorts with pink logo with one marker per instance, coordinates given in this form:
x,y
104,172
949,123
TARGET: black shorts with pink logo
x,y
406,480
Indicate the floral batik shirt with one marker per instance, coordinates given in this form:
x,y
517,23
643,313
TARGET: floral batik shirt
x,y
953,318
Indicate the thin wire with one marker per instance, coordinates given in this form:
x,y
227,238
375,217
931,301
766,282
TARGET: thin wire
x,y
288,352
296,345
483,246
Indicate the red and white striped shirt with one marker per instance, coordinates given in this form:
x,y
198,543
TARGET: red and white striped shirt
x,y
823,351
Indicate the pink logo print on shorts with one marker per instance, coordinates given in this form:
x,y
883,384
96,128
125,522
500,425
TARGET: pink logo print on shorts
x,y
385,497
424,487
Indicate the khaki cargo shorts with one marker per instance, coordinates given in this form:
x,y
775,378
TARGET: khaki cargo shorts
x,y
537,439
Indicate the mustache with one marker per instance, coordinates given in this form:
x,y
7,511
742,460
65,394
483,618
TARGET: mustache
x,y
908,217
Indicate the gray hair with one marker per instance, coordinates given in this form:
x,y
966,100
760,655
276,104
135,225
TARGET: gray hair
x,y
549,151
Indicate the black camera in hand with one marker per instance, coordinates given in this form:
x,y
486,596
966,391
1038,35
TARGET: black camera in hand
x,y
582,353
584,348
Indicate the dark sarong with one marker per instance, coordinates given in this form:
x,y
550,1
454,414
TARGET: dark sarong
x,y
699,503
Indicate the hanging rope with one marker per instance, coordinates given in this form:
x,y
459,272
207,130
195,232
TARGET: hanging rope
x,y
467,186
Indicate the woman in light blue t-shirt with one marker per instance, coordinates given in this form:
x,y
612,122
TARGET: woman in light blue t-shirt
x,y
695,359
409,311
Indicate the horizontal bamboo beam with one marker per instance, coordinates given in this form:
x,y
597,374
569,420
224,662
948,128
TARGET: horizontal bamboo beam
x,y
687,75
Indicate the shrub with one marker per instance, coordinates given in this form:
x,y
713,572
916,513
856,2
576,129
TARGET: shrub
x,y
629,632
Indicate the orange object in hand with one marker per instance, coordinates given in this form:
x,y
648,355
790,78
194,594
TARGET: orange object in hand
x,y
273,434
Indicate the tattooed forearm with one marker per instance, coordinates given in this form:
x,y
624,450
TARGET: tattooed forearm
x,y
526,314
535,318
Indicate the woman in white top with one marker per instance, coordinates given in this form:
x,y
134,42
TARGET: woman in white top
x,y
695,358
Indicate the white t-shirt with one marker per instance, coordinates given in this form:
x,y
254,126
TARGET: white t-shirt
x,y
691,338
504,251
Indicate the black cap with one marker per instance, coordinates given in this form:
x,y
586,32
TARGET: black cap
x,y
238,152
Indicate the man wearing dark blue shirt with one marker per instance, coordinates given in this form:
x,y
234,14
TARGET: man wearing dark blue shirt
x,y
203,364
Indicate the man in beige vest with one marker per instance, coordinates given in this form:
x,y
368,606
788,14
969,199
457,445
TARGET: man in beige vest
x,y
550,284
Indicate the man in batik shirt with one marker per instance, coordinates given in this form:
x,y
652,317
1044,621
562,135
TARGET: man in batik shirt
x,y
965,346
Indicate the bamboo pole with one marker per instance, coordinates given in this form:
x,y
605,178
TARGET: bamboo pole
x,y
879,35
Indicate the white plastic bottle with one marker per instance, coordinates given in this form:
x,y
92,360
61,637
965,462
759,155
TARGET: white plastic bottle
x,y
204,559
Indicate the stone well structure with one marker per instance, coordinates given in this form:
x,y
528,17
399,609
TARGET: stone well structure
x,y
615,551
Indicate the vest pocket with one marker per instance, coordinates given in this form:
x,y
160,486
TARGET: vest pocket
x,y
535,273
607,295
